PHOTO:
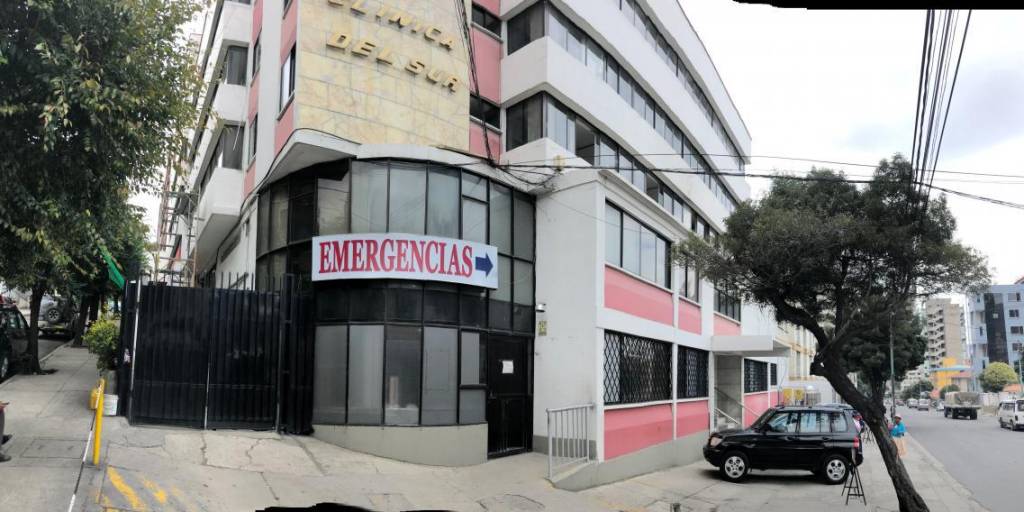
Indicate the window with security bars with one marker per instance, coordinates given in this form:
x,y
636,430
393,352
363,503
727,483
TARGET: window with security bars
x,y
691,373
636,369
755,376
773,377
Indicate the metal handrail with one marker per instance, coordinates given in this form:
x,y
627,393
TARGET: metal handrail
x,y
719,411
568,436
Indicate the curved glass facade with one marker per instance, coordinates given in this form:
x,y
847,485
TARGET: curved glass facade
x,y
395,352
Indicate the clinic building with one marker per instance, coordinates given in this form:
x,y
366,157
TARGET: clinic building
x,y
469,193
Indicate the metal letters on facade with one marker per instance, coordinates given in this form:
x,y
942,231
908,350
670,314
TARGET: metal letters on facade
x,y
401,256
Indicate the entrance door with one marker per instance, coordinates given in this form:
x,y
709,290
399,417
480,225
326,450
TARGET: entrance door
x,y
509,404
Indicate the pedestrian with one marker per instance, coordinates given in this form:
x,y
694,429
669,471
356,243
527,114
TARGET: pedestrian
x,y
3,437
897,432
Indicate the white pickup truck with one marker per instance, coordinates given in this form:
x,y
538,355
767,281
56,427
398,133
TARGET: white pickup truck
x,y
962,404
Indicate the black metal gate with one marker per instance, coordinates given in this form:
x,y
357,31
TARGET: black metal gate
x,y
216,358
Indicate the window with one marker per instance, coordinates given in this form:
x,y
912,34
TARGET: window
x,y
812,422
330,385
643,252
407,198
474,208
773,377
440,371
369,197
402,375
523,226
485,111
471,386
1016,329
595,59
234,65
486,20
691,373
253,131
278,221
636,369
230,147
560,124
501,218
332,205
755,376
727,303
257,52
443,198
1014,313
613,235
690,287
837,421
586,141
287,79
784,423
525,122
366,366
526,27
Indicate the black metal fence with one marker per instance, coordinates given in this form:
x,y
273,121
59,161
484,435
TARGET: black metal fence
x,y
217,357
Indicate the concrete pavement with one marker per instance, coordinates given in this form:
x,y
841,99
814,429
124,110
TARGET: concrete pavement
x,y
146,468
50,420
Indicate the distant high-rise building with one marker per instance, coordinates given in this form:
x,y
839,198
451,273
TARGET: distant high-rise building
x,y
942,329
996,331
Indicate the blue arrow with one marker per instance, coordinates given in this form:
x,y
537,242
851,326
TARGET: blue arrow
x,y
484,264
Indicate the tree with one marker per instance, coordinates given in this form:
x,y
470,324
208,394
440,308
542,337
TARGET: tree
x,y
837,259
946,389
868,354
94,98
997,376
914,390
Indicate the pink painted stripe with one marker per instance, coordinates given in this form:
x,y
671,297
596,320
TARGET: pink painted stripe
x,y
629,430
691,417
689,317
726,326
288,27
632,295
487,56
285,127
490,5
754,405
248,180
257,19
476,140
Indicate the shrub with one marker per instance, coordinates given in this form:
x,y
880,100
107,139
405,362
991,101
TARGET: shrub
x,y
996,376
101,338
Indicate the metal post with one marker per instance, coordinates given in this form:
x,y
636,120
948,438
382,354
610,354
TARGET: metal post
x,y
134,354
550,458
892,367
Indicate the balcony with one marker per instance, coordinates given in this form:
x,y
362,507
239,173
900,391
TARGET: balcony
x,y
217,212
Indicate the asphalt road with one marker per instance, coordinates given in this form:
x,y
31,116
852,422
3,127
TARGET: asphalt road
x,y
986,459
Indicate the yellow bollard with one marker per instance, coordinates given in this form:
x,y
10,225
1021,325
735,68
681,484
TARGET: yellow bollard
x,y
99,424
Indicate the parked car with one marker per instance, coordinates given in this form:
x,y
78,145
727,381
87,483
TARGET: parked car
x,y
923,404
819,439
1011,414
912,403
13,337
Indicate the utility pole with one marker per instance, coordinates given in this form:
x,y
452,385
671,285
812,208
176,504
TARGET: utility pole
x,y
892,369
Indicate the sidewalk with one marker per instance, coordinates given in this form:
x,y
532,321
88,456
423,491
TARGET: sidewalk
x,y
50,420
155,469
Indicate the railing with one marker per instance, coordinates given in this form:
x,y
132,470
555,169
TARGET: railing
x,y
721,412
568,436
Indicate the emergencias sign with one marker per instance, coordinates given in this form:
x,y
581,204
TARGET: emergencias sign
x,y
401,256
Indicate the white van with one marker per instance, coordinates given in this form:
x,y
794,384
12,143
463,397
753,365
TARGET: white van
x,y
1011,414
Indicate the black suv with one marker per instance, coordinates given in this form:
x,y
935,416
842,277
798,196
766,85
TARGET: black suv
x,y
822,439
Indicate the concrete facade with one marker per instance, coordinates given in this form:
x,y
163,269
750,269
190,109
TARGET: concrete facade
x,y
942,329
995,319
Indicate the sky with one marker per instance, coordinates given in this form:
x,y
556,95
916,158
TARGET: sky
x,y
842,86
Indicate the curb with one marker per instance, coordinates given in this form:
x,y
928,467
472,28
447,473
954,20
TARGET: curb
x,y
41,361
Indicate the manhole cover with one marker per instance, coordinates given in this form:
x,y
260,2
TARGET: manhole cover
x,y
54,449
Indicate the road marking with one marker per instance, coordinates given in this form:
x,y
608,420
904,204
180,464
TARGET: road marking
x,y
158,493
126,490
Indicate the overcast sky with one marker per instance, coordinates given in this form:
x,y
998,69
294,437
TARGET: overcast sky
x,y
842,85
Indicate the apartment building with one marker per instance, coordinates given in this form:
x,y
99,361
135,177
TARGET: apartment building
x,y
996,325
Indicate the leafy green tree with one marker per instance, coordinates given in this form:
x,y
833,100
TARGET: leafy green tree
x,y
94,97
868,353
837,259
997,376
915,389
946,389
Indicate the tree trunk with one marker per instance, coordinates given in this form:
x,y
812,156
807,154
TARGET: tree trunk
x,y
32,350
874,416
79,328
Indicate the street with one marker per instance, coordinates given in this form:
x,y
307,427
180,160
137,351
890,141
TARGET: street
x,y
47,345
986,459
